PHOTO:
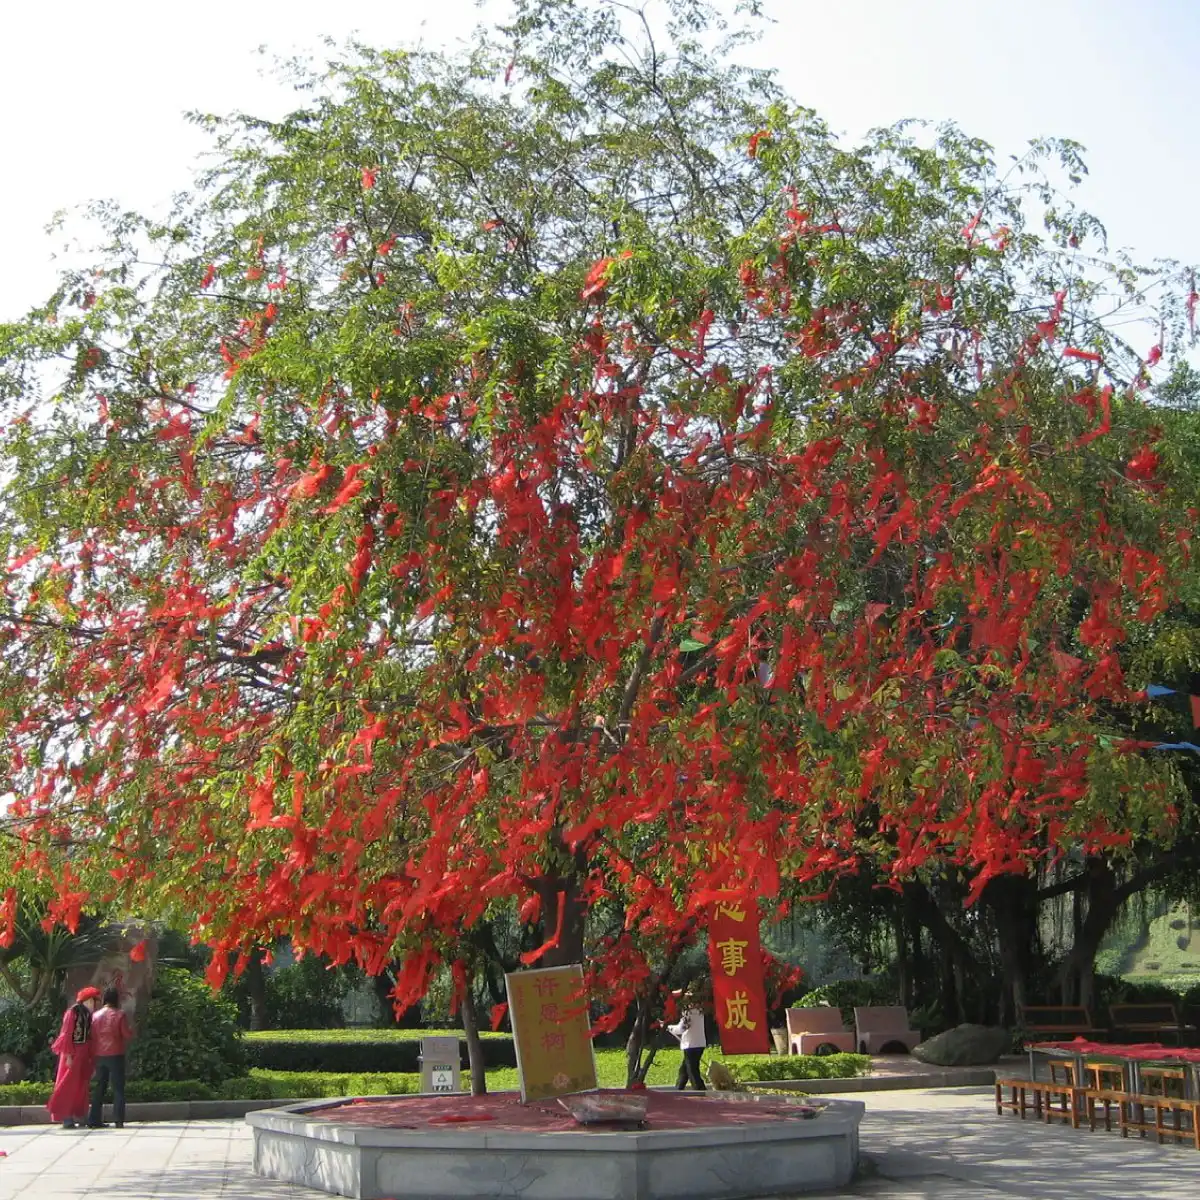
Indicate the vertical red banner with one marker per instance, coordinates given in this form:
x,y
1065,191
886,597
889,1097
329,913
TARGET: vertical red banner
x,y
739,994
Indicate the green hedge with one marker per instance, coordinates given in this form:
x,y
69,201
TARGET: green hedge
x,y
797,1066
306,1085
25,1093
137,1091
355,1052
261,1085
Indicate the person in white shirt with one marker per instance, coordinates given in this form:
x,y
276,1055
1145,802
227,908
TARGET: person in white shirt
x,y
689,1029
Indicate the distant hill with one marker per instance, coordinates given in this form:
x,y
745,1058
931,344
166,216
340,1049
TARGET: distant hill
x,y
1165,946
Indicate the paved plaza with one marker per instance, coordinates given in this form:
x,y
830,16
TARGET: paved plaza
x,y
921,1144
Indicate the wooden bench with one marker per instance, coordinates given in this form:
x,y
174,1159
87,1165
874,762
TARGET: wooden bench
x,y
1158,1019
1068,1020
1160,1106
810,1030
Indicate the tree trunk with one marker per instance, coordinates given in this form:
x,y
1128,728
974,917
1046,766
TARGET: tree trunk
x,y
957,962
256,989
904,978
470,1024
1014,905
920,974
637,1068
1077,977
383,984
556,891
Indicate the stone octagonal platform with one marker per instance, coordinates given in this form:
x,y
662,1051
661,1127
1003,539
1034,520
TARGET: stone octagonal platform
x,y
694,1147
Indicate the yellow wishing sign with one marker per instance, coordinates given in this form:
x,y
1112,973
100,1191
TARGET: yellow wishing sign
x,y
551,1031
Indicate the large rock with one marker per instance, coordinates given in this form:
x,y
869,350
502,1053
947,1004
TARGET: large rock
x,y
12,1069
965,1046
117,967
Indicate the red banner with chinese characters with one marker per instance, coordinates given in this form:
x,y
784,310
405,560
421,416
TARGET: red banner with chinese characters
x,y
739,996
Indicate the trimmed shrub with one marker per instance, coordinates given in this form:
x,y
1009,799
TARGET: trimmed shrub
x,y
189,1032
24,1094
762,1067
316,1085
248,1087
168,1091
363,1053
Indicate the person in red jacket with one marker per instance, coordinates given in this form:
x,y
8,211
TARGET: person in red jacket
x,y
111,1035
68,1102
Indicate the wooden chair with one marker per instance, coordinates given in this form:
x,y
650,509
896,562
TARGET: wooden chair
x,y
1107,1099
1163,1106
810,1030
1064,1067
1099,1076
877,1028
1167,1082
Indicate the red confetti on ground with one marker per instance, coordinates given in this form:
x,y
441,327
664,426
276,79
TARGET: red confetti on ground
x,y
504,1111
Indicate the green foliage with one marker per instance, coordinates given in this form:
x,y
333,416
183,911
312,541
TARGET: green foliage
x,y
1115,990
37,957
308,994
849,994
189,1032
27,1032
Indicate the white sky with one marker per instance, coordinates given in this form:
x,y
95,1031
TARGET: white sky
x,y
91,94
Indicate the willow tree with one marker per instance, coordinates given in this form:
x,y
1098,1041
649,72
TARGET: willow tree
x,y
562,478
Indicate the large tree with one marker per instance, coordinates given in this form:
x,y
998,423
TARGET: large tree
x,y
564,476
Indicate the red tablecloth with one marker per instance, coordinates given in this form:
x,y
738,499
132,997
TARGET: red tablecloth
x,y
1142,1051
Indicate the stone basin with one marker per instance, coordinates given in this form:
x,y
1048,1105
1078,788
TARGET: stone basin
x,y
693,1146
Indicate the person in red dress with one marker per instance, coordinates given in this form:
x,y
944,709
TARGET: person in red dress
x,y
68,1102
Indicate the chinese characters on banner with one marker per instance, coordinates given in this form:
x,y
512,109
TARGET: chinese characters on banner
x,y
739,996
551,1032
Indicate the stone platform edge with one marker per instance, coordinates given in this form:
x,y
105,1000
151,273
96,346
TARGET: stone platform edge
x,y
960,1077
215,1110
714,1161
